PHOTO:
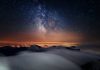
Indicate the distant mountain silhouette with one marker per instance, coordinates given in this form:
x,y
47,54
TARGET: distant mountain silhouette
x,y
11,51
8,50
36,48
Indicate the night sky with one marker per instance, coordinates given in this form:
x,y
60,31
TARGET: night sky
x,y
50,21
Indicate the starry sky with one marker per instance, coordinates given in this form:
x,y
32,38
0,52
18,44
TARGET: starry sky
x,y
50,21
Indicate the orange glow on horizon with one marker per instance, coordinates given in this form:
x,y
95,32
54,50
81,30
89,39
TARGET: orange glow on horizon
x,y
42,39
42,44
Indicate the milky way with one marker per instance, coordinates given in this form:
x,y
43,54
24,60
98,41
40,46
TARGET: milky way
x,y
50,21
46,20
48,27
